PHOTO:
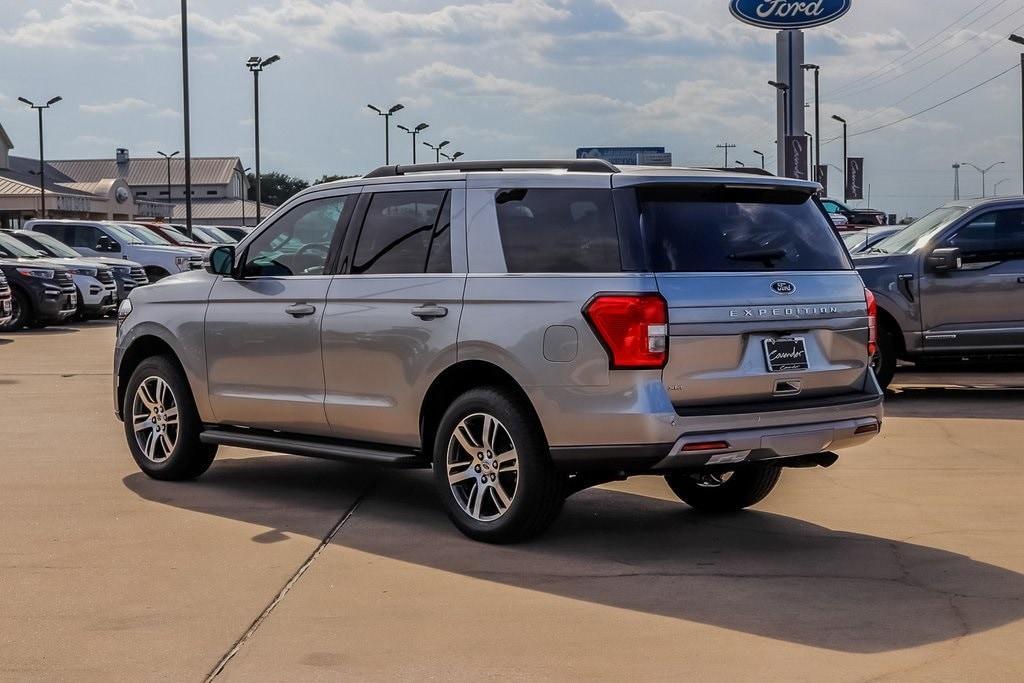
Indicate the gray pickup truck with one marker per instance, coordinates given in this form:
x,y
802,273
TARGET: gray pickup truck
x,y
950,286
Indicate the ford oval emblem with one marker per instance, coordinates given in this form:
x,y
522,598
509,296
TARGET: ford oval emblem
x,y
783,287
788,14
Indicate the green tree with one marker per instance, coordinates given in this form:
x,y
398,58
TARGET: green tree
x,y
330,178
276,188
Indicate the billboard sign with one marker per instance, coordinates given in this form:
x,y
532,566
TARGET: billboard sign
x,y
788,14
855,178
823,178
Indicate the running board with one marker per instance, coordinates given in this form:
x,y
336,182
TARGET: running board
x,y
311,446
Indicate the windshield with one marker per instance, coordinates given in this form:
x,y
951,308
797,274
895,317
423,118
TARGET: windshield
x,y
219,234
716,229
12,248
855,240
146,235
122,233
177,234
921,231
201,235
50,245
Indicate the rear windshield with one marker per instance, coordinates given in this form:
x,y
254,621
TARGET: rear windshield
x,y
718,229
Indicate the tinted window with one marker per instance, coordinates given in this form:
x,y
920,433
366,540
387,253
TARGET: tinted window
x,y
831,207
921,231
405,232
58,232
299,242
84,236
716,229
558,230
994,235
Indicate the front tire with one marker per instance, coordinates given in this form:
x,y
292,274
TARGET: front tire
x,y
161,423
21,314
493,469
724,491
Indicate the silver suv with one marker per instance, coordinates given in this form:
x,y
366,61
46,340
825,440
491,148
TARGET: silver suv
x,y
526,328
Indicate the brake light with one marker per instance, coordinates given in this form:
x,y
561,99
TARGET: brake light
x,y
872,322
632,327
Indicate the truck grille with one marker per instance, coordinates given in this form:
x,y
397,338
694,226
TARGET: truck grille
x,y
105,276
4,287
64,281
139,275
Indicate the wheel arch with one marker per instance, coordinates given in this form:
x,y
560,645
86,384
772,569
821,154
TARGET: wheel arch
x,y
888,320
142,347
456,380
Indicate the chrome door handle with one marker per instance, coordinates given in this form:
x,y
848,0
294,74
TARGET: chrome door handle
x,y
300,310
429,311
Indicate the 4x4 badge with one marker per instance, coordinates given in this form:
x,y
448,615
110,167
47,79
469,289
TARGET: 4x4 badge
x,y
783,287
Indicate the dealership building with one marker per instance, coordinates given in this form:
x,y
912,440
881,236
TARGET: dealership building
x,y
122,188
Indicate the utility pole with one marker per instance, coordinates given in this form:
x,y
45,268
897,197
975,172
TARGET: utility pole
x,y
956,182
42,165
726,146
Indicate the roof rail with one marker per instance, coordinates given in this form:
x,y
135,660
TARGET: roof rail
x,y
573,165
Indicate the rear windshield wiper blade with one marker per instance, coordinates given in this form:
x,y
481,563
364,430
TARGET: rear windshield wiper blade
x,y
766,256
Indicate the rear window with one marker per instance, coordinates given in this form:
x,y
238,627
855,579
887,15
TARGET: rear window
x,y
558,230
717,229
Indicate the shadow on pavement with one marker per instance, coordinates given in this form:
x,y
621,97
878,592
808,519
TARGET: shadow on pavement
x,y
753,572
43,332
950,402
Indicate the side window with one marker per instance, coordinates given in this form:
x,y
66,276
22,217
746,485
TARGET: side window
x,y
558,231
993,236
299,242
831,207
405,232
85,236
58,232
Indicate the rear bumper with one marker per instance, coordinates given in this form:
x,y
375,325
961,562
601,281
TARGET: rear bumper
x,y
743,435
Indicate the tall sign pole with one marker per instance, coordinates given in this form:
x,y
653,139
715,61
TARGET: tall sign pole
x,y
789,56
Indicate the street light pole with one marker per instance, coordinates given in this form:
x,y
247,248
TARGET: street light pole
x,y
241,190
810,161
414,132
1020,41
387,128
186,117
760,154
846,163
256,65
784,89
983,172
995,188
437,149
168,157
817,115
42,165
956,181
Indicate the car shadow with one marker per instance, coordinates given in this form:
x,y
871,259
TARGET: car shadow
x,y
44,331
956,402
753,572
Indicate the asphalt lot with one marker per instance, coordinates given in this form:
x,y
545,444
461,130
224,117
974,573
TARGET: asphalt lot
x,y
904,561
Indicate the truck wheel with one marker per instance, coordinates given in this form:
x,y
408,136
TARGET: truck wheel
x,y
724,491
884,360
161,422
493,470
21,312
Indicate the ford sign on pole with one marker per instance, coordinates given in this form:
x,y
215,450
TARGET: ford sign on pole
x,y
788,14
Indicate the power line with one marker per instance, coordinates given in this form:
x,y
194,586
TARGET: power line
x,y
924,111
934,59
940,32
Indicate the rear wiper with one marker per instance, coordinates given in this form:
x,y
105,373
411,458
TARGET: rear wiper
x,y
765,256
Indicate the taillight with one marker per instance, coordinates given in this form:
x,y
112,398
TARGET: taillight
x,y
872,322
632,327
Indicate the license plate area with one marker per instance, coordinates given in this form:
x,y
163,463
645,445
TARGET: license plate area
x,y
785,354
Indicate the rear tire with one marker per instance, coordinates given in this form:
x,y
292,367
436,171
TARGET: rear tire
x,y
884,360
742,488
493,469
161,422
22,312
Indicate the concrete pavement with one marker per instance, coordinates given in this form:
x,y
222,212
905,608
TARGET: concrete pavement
x,y
904,561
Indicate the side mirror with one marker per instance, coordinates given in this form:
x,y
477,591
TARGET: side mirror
x,y
220,260
107,244
944,260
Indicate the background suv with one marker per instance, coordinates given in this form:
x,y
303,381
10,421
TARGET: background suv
x,y
511,325
950,287
42,293
97,238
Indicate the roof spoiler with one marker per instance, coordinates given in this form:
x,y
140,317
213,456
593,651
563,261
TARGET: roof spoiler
x,y
748,170
571,165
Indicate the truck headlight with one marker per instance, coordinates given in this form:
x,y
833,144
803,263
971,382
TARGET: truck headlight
x,y
36,272
91,272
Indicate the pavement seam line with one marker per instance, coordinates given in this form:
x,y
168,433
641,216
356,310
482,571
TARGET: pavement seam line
x,y
254,626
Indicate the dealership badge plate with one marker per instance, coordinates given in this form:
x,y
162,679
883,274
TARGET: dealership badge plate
x,y
785,354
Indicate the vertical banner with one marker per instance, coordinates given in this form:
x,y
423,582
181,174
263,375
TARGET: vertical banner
x,y
796,157
821,172
855,178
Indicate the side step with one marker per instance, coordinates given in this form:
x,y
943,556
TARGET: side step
x,y
312,446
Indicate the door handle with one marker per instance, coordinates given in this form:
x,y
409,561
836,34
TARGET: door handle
x,y
430,311
300,310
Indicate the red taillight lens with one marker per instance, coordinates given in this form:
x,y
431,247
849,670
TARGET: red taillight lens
x,y
633,327
872,322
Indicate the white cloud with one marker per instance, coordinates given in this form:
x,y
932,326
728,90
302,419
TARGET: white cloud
x,y
127,105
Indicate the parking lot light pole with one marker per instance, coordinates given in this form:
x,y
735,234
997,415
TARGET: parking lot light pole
x,y
387,127
256,65
42,166
437,149
414,132
956,181
168,158
760,154
784,89
241,189
995,188
983,172
1020,41
817,113
846,163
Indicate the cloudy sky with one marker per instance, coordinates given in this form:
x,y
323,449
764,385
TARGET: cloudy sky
x,y
515,78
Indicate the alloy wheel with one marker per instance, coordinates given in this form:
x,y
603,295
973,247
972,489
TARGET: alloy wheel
x,y
483,467
155,419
